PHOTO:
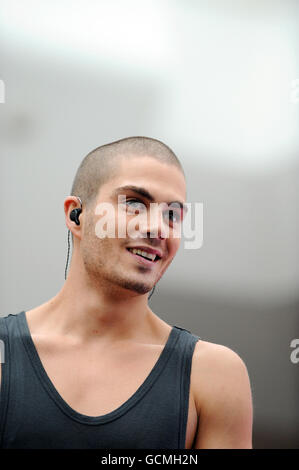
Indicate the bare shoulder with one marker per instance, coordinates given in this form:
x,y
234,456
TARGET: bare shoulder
x,y
222,395
215,365
207,353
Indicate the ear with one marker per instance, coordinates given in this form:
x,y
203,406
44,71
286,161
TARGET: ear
x,y
72,212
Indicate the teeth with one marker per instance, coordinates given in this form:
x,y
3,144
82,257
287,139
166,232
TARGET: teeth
x,y
150,256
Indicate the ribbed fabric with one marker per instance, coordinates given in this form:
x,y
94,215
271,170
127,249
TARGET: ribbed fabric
x,y
33,415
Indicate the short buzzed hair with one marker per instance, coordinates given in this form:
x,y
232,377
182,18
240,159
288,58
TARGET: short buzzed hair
x,y
100,164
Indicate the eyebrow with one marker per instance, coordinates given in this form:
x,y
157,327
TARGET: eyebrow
x,y
144,192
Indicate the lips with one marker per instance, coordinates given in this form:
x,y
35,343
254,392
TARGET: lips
x,y
144,257
146,251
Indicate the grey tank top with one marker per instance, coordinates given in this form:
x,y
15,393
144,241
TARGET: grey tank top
x,y
33,415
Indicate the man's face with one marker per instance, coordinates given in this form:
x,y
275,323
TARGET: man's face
x,y
110,258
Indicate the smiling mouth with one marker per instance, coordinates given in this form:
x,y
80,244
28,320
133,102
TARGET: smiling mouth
x,y
150,257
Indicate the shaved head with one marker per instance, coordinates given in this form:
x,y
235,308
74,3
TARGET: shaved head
x,y
101,164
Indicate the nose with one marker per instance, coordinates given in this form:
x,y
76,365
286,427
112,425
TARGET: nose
x,y
153,224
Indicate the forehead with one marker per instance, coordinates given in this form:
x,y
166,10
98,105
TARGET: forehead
x,y
164,181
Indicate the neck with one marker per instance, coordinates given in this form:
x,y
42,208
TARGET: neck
x,y
106,311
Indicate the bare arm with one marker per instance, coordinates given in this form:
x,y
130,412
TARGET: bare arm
x,y
223,398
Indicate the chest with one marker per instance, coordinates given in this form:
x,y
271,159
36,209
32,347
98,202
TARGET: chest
x,y
96,382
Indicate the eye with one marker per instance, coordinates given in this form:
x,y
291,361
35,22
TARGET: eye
x,y
173,216
135,204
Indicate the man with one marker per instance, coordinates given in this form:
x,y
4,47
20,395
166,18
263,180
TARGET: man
x,y
95,367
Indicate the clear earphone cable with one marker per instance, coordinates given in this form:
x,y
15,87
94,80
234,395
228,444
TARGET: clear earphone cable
x,y
153,289
68,253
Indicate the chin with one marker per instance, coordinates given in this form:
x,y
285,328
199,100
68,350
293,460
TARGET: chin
x,y
138,287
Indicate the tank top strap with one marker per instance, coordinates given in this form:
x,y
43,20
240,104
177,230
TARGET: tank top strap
x,y
185,329
5,373
186,346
